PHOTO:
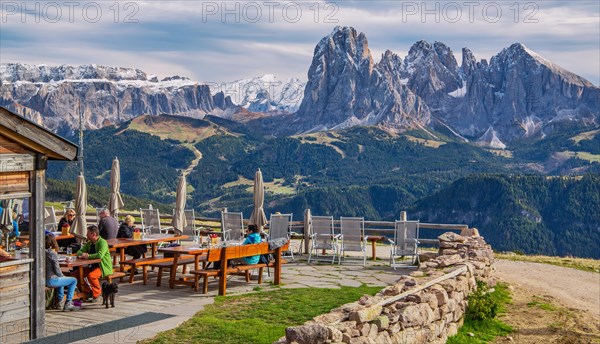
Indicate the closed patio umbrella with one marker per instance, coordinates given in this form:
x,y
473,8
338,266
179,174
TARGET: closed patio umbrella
x,y
179,222
6,221
115,202
79,227
258,216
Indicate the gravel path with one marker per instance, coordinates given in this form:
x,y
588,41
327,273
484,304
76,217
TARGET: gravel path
x,y
574,288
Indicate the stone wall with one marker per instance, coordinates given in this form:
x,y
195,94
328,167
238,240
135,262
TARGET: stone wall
x,y
426,307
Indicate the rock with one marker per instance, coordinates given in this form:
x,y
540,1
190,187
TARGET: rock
x,y
470,232
373,331
427,256
382,322
307,334
452,237
330,318
410,282
470,334
334,334
444,261
390,291
365,315
383,338
366,300
448,244
411,316
366,328
417,274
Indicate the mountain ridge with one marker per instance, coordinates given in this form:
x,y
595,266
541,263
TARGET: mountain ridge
x,y
517,94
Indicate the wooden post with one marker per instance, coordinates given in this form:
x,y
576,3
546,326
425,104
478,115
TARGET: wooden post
x,y
277,274
223,272
403,216
37,249
307,229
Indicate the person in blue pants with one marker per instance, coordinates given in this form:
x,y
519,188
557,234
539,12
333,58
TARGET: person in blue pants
x,y
56,279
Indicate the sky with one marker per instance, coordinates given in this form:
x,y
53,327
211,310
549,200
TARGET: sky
x,y
222,41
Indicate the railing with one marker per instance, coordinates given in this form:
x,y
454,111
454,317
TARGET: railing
x,y
372,228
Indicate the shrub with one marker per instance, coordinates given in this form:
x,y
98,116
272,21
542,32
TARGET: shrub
x,y
482,305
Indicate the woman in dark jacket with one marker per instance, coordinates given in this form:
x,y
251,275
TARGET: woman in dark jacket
x,y
126,231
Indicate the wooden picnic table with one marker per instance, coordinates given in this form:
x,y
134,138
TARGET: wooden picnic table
x,y
58,237
154,239
374,240
177,252
79,263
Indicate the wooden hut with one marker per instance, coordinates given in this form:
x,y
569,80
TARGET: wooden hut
x,y
25,149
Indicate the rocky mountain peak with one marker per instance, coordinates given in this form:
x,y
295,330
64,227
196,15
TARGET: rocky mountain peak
x,y
345,88
469,63
432,71
12,72
520,94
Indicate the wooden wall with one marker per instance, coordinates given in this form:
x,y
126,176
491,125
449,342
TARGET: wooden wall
x,y
15,301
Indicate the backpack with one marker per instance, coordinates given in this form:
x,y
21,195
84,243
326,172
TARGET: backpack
x,y
267,258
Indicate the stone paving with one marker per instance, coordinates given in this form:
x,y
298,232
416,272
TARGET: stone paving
x,y
95,324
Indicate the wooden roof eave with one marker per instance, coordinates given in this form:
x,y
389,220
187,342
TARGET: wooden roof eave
x,y
35,138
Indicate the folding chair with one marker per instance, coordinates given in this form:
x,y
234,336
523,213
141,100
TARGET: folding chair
x,y
280,226
352,236
232,226
151,222
323,237
190,219
50,223
405,243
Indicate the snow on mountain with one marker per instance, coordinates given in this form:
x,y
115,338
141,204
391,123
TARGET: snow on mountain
x,y
264,94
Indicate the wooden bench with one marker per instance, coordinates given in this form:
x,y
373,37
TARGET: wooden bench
x,y
184,260
114,275
235,252
133,264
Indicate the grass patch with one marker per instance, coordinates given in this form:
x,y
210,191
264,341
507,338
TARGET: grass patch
x,y
582,155
260,317
584,264
541,303
485,330
588,135
426,142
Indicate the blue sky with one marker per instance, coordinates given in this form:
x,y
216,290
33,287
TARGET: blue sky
x,y
218,41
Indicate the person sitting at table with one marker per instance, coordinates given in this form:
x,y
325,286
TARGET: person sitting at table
x,y
107,225
95,248
253,237
67,221
15,222
126,231
56,279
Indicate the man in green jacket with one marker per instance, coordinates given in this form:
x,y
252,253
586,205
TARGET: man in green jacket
x,y
95,248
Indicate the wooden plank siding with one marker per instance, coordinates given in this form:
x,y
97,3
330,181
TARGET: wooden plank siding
x,y
15,302
14,182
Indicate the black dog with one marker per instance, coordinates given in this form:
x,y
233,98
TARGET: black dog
x,y
108,293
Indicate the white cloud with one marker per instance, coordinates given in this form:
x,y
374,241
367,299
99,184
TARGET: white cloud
x,y
191,38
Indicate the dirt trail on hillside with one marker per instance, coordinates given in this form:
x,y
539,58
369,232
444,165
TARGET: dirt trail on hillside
x,y
550,304
194,162
573,288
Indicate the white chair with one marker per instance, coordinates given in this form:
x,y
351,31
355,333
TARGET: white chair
x,y
232,226
190,219
352,236
280,226
405,243
50,223
323,238
151,222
